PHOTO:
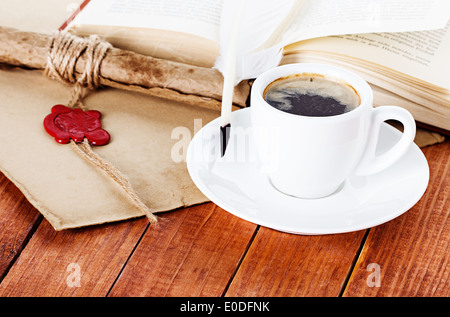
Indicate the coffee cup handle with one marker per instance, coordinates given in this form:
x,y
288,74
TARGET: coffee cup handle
x,y
372,163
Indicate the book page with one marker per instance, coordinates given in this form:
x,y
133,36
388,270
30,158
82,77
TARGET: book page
x,y
197,17
319,18
423,55
36,16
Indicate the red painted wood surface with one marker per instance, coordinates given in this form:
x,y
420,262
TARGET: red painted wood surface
x,y
205,251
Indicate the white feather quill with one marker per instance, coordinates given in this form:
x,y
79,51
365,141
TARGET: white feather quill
x,y
251,42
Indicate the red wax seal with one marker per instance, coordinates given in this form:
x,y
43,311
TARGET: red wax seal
x,y
65,123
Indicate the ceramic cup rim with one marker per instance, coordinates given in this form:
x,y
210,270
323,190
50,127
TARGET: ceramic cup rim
x,y
358,83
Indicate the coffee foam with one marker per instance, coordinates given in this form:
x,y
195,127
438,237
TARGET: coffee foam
x,y
314,85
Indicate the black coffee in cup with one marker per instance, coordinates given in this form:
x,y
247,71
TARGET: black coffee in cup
x,y
311,95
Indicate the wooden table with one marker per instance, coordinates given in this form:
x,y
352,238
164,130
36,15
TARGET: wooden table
x,y
205,251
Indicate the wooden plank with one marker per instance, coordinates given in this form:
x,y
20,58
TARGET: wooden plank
x,y
281,264
192,252
409,256
17,220
78,262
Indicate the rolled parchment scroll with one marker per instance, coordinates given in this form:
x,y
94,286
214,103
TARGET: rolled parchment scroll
x,y
193,85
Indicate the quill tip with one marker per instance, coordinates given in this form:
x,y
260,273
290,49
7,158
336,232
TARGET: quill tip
x,y
224,137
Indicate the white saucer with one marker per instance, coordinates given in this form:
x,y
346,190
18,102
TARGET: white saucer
x,y
236,184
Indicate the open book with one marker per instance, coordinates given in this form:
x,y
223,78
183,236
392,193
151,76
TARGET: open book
x,y
401,48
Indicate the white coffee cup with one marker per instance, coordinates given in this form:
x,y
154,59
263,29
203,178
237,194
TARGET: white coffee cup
x,y
311,157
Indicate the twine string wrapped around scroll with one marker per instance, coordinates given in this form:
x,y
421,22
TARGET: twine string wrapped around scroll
x,y
64,51
192,85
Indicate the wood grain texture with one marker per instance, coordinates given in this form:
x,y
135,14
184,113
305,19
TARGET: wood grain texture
x,y
205,251
412,251
17,220
192,252
281,264
79,262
